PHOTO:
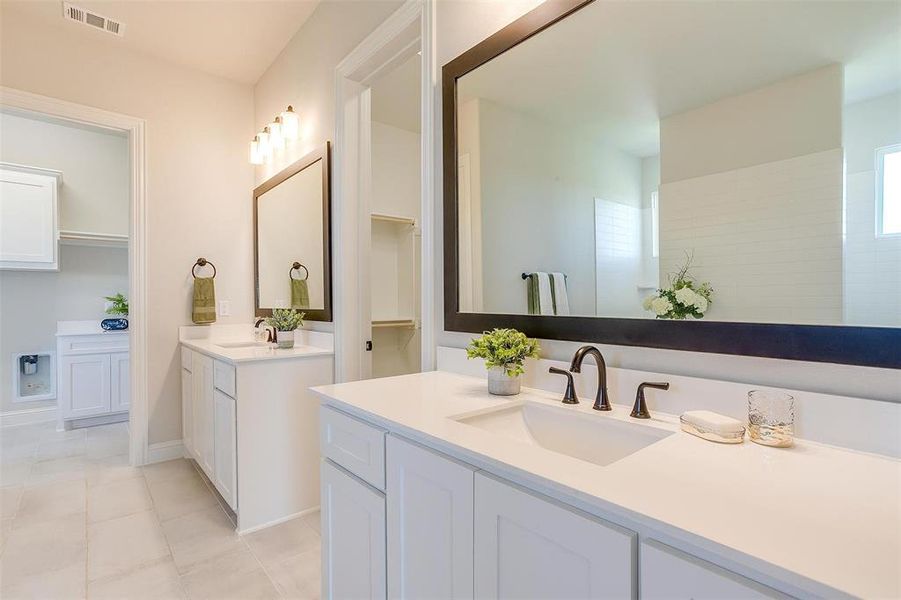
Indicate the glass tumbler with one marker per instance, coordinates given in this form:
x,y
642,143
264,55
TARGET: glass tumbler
x,y
771,418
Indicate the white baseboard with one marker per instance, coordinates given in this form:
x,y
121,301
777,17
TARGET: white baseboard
x,y
27,416
277,521
163,451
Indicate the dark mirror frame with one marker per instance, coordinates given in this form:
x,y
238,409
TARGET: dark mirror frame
x,y
320,153
864,346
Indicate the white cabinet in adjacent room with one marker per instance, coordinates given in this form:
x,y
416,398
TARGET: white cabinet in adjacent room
x,y
85,385
29,221
670,574
531,547
93,378
430,523
353,537
119,382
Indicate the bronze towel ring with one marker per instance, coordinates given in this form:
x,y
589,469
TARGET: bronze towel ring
x,y
202,262
296,266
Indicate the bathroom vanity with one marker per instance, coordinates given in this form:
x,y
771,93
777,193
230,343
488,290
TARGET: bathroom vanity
x,y
250,421
433,488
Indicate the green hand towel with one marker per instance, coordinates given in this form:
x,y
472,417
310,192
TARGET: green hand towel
x,y
204,310
300,293
534,302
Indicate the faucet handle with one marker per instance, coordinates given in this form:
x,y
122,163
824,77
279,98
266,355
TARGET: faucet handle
x,y
640,409
569,396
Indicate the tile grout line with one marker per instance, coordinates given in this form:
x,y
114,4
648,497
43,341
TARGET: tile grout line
x,y
159,522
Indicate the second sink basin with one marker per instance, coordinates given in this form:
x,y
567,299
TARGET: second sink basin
x,y
594,438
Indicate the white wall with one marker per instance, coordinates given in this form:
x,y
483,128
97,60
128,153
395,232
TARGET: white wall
x,y
198,178
31,302
460,25
872,264
94,196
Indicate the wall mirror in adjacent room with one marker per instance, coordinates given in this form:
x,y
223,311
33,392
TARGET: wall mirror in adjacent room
x,y
721,177
292,263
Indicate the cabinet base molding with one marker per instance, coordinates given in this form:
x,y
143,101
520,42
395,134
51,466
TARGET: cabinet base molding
x,y
28,416
163,451
302,513
94,421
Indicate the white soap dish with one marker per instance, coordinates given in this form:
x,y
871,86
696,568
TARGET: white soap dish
x,y
713,426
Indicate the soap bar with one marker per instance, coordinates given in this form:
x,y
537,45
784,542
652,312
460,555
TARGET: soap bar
x,y
713,426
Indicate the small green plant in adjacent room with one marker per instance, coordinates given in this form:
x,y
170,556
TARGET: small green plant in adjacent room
x,y
285,319
505,348
118,305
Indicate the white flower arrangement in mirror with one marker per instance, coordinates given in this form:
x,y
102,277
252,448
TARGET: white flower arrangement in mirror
x,y
684,297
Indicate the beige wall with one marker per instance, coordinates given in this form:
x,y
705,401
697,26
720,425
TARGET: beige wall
x,y
198,177
463,23
793,117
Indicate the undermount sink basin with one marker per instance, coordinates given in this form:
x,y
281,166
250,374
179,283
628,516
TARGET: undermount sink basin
x,y
595,438
247,344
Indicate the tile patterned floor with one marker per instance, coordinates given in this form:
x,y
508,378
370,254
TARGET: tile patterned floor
x,y
76,521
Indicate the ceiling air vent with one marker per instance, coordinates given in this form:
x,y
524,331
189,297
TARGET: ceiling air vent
x,y
92,19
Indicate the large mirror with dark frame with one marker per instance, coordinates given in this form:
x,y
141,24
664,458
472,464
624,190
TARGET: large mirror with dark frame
x,y
708,176
292,263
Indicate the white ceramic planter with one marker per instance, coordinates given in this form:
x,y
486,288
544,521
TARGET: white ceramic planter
x,y
500,384
285,339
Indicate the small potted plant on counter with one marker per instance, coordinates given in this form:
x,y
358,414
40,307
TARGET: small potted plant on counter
x,y
116,305
504,352
284,321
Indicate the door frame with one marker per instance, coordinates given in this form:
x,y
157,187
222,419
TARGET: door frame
x,y
134,128
412,24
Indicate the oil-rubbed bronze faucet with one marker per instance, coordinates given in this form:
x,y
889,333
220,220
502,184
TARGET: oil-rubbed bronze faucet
x,y
640,410
601,401
569,396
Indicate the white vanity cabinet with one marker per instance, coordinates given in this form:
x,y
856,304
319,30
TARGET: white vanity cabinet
x,y
526,546
29,219
670,574
225,460
93,371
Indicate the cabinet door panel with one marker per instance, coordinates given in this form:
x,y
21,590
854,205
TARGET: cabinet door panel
x,y
120,390
85,385
224,446
530,547
202,372
430,521
353,537
187,411
670,574
28,221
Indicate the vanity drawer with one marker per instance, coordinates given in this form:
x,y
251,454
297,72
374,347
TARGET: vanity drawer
x,y
357,446
186,358
102,343
224,377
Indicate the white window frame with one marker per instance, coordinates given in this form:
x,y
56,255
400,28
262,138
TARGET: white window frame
x,y
880,168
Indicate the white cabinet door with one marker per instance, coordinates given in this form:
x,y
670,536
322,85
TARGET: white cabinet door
x,y
120,389
202,371
430,522
670,574
84,385
224,446
187,412
353,537
530,547
28,220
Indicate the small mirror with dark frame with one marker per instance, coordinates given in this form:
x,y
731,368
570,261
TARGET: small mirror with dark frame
x,y
713,177
291,225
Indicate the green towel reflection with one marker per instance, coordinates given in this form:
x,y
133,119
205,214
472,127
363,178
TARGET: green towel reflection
x,y
204,310
300,293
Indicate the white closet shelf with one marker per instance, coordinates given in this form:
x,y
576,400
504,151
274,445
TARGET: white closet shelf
x,y
89,238
397,219
381,323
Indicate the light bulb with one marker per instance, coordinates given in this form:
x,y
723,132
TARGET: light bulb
x,y
256,156
265,147
276,139
290,124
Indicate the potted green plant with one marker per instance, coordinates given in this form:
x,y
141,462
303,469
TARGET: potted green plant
x,y
284,321
504,352
118,307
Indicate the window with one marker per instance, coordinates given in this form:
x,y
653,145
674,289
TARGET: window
x,y
655,225
888,190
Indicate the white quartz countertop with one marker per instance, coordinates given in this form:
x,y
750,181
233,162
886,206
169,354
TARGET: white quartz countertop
x,y
64,328
252,353
818,520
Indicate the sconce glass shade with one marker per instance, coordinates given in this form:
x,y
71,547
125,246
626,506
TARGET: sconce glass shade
x,y
256,156
290,124
276,138
265,147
